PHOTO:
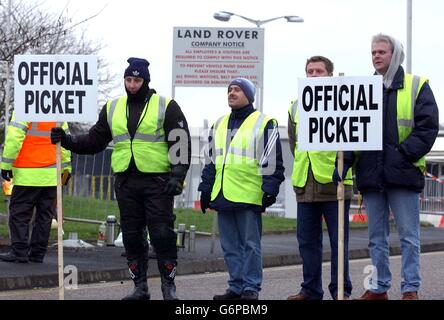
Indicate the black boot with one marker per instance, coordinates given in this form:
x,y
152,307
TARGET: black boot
x,y
11,256
167,271
138,271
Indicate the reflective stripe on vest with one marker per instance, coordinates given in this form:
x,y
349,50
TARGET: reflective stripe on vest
x,y
405,107
30,155
237,171
322,162
148,147
37,150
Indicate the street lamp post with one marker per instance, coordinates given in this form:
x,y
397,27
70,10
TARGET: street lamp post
x,y
409,36
8,71
225,16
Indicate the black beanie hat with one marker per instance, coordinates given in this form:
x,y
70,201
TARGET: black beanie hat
x,y
138,68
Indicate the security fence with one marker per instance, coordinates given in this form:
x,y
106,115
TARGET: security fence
x,y
91,189
89,196
91,176
432,198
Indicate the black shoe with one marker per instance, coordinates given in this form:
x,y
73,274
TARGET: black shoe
x,y
139,293
249,295
10,256
229,295
167,269
169,291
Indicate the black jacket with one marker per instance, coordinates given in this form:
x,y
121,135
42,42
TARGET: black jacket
x,y
99,136
270,182
393,166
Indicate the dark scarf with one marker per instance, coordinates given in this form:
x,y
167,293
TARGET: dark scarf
x,y
136,103
140,95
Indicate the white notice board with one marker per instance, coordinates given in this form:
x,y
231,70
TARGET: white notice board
x,y
212,57
55,88
340,113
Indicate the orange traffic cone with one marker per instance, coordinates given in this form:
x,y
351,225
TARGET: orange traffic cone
x,y
441,224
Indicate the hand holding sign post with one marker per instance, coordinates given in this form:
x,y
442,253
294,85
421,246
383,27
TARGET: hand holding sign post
x,y
56,88
340,114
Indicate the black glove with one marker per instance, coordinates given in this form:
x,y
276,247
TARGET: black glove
x,y
58,135
267,200
7,175
336,178
205,199
174,186
65,177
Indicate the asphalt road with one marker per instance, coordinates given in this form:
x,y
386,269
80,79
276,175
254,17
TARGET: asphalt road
x,y
279,282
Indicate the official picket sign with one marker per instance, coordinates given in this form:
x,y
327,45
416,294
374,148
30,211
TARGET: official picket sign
x,y
55,88
340,113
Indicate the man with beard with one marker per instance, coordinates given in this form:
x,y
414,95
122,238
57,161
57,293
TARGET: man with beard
x,y
151,157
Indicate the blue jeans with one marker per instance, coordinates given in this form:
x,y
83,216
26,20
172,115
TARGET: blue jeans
x,y
309,235
404,204
240,237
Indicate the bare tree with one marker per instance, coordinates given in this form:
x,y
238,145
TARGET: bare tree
x,y
28,28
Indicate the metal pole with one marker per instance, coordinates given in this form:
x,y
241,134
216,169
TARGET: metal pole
x,y
214,228
260,105
181,236
409,36
261,98
192,239
8,71
214,222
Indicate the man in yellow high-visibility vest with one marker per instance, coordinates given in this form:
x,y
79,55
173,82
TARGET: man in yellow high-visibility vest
x,y
316,196
151,157
240,181
30,158
392,179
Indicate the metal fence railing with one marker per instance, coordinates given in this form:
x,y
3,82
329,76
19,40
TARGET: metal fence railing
x,y
89,196
432,197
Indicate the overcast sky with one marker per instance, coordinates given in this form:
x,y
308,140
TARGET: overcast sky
x,y
339,29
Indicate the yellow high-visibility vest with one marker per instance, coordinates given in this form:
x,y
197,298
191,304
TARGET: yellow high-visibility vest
x,y
238,173
322,162
149,145
28,152
405,107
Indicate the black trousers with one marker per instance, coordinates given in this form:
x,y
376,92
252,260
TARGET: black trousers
x,y
143,204
23,201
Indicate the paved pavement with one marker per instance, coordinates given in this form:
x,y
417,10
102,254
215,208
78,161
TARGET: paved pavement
x,y
107,263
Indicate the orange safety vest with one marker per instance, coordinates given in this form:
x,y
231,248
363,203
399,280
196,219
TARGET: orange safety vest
x,y
37,150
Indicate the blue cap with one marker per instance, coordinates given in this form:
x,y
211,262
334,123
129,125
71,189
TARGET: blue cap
x,y
247,87
138,68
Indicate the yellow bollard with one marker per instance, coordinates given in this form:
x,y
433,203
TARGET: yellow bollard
x,y
93,186
108,193
101,187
